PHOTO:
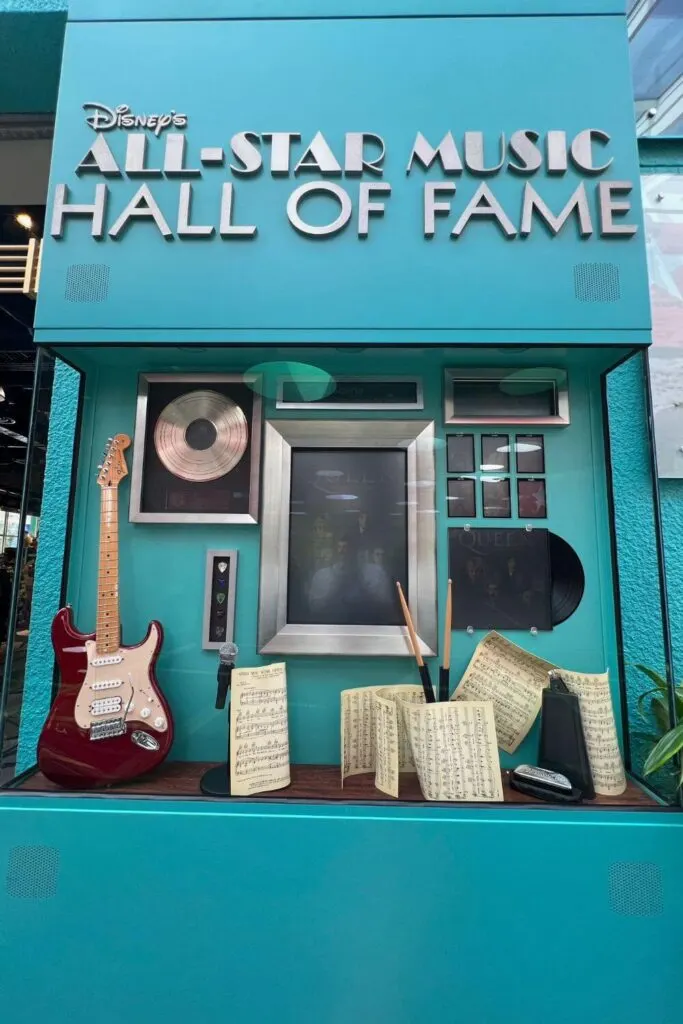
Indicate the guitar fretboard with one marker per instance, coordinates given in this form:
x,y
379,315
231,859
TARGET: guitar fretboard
x,y
108,626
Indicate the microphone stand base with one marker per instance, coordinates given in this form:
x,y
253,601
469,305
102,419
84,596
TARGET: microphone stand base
x,y
216,782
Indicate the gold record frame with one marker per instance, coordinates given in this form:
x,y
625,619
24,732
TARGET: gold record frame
x,y
200,380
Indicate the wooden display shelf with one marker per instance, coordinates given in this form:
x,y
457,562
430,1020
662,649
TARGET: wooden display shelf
x,y
317,783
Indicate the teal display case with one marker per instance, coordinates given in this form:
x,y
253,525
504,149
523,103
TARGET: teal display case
x,y
347,242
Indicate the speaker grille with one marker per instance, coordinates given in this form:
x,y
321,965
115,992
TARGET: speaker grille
x,y
597,282
87,282
635,889
32,872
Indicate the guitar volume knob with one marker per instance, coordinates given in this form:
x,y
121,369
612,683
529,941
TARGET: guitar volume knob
x,y
159,723
145,713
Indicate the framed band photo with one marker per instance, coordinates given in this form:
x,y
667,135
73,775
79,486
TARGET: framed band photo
x,y
197,449
220,587
348,510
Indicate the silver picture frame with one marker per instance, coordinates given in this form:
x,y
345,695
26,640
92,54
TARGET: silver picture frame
x,y
417,405
275,634
136,513
542,375
230,557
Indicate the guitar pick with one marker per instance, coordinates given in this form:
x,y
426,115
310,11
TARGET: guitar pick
x,y
220,598
222,566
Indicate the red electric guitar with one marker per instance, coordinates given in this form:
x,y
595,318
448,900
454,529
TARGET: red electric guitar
x,y
109,722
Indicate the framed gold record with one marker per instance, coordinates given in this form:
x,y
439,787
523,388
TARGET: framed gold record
x,y
197,449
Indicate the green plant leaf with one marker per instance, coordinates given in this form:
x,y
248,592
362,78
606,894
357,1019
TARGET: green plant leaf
x,y
659,682
660,713
668,747
641,700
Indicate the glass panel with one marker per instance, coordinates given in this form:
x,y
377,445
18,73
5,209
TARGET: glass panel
x,y
490,399
20,548
495,453
496,498
530,453
348,542
461,498
460,453
531,502
303,596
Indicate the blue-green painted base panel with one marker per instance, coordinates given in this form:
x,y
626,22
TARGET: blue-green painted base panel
x,y
173,912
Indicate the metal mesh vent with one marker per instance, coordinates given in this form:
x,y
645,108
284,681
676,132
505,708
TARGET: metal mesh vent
x,y
87,282
635,889
597,282
32,872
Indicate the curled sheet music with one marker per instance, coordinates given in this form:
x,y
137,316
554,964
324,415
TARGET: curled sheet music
x,y
360,730
455,750
512,679
599,729
259,734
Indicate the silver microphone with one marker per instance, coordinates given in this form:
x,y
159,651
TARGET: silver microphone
x,y
227,653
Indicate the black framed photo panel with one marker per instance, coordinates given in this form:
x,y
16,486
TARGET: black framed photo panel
x,y
501,578
495,453
461,498
530,453
348,536
460,453
496,502
531,500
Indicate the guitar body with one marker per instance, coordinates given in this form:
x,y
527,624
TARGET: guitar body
x,y
109,722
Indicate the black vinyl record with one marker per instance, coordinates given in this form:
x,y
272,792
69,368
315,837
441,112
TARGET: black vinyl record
x,y
567,579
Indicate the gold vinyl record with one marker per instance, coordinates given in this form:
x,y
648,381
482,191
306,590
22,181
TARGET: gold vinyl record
x,y
200,436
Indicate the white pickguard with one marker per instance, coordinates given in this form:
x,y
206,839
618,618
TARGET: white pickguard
x,y
120,688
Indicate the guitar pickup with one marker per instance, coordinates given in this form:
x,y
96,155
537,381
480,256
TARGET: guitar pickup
x,y
107,730
106,706
107,684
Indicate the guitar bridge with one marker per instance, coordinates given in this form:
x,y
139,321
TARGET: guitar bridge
x,y
107,730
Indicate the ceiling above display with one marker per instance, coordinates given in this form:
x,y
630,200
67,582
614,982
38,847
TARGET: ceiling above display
x,y
655,30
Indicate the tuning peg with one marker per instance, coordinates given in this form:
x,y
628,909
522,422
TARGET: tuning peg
x,y
110,439
100,466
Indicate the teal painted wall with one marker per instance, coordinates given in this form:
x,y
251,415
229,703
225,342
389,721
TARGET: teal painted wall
x,y
49,560
395,285
31,41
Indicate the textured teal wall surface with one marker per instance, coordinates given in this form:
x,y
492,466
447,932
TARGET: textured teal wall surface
x,y
49,560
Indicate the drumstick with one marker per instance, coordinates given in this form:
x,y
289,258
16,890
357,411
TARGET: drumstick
x,y
445,670
414,643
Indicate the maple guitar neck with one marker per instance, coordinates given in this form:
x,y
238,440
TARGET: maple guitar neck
x,y
108,631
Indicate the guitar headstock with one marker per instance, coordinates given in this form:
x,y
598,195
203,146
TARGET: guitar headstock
x,y
113,467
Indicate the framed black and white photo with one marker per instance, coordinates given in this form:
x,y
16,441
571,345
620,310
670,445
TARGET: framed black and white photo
x,y
197,449
348,511
220,588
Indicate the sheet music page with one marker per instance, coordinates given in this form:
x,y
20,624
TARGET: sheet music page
x,y
359,728
512,679
259,734
386,745
600,730
455,750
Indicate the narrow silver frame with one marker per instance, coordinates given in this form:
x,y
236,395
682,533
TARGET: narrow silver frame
x,y
356,406
558,378
275,634
231,558
136,515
